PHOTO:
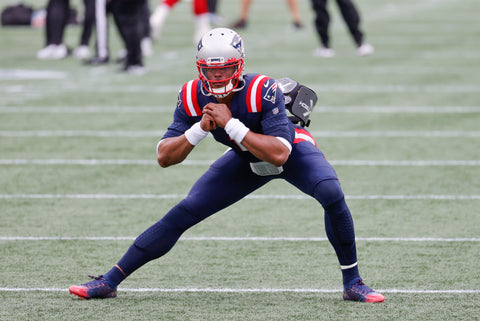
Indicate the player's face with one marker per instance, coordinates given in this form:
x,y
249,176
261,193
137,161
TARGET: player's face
x,y
216,75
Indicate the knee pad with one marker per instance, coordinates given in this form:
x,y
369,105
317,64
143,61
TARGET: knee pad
x,y
328,192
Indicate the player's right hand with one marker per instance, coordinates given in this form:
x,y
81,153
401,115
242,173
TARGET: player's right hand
x,y
207,123
220,113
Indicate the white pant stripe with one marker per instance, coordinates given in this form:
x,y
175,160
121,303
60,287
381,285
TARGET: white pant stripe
x,y
304,137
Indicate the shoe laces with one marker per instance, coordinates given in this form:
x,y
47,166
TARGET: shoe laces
x,y
360,287
97,282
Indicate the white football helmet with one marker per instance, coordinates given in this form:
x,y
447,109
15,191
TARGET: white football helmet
x,y
221,52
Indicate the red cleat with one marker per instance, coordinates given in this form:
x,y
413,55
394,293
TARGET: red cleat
x,y
361,292
96,289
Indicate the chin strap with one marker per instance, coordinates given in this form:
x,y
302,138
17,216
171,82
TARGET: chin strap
x,y
207,93
223,91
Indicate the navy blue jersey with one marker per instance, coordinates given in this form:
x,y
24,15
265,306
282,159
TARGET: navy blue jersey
x,y
259,105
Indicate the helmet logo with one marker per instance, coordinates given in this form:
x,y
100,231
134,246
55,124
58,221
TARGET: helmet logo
x,y
237,44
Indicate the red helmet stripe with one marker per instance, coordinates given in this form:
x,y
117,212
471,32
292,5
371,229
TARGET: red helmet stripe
x,y
254,94
189,98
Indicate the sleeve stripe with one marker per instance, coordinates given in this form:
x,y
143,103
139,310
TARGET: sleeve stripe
x,y
184,99
259,93
189,97
254,94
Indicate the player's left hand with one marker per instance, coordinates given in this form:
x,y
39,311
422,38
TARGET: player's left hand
x,y
207,123
219,112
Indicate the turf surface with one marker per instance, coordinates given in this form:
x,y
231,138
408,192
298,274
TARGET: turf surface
x,y
78,179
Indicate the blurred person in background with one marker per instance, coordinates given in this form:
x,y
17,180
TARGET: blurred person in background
x,y
215,19
83,50
131,20
58,15
56,21
245,8
352,19
200,10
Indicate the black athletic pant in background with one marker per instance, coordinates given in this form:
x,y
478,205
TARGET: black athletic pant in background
x,y
57,18
127,14
350,16
88,22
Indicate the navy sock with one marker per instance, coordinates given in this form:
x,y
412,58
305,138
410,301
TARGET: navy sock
x,y
350,276
114,277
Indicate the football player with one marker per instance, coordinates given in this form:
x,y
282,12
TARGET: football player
x,y
245,112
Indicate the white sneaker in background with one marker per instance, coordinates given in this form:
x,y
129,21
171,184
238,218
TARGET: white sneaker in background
x,y
365,49
147,48
122,55
45,52
324,52
82,52
202,26
217,20
53,52
157,20
138,70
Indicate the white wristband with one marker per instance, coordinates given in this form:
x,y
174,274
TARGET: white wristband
x,y
195,134
236,130
156,150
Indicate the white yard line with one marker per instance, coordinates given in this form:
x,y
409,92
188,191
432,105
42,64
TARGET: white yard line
x,y
148,162
81,133
398,109
252,196
170,109
395,134
31,74
354,88
88,109
239,238
252,290
156,133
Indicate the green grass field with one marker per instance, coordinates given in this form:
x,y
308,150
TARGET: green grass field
x,y
79,181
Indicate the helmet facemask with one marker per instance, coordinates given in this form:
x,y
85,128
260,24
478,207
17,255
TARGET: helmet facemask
x,y
220,78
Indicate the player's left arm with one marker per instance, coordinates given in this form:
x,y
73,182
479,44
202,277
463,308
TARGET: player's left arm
x,y
267,148
273,150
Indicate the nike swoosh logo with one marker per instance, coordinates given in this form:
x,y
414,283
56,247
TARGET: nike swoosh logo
x,y
266,84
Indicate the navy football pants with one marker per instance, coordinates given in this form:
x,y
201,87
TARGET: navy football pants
x,y
228,180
